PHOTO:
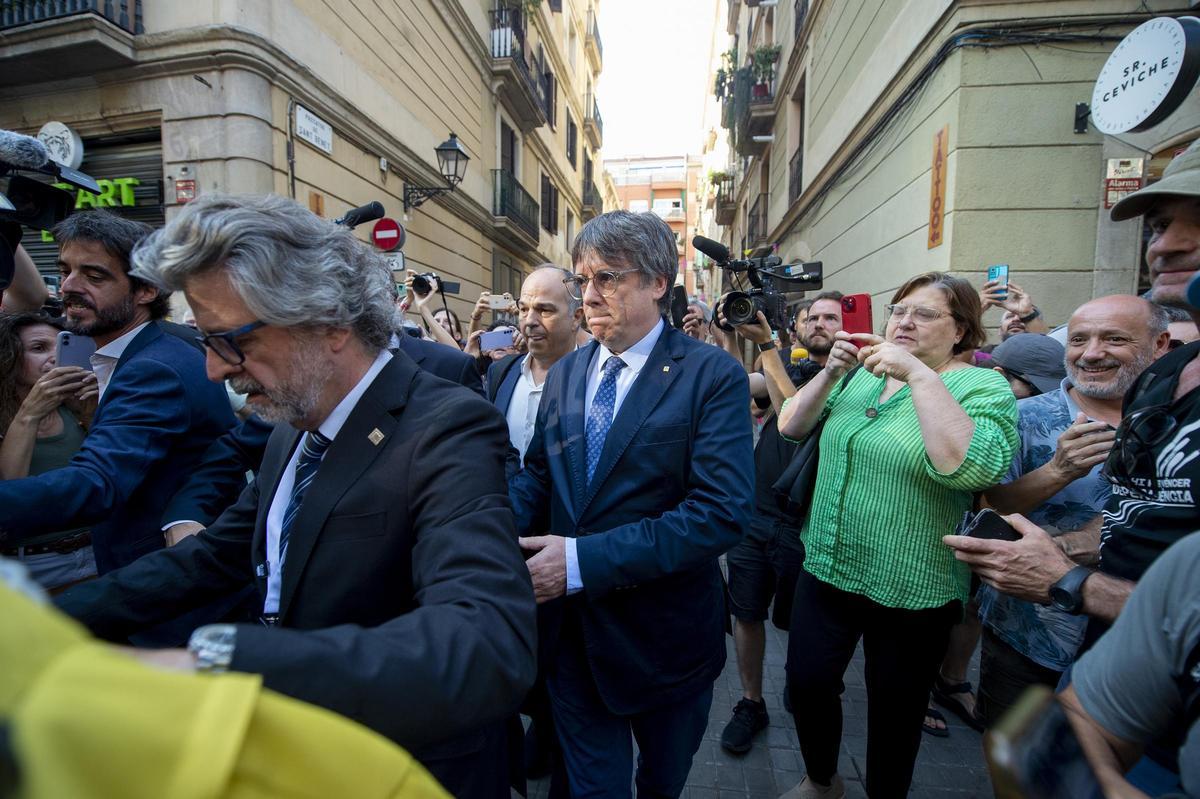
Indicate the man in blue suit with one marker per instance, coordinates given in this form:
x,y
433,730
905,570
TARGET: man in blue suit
x,y
640,473
157,413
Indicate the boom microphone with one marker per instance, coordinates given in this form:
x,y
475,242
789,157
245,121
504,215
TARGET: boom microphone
x,y
363,213
23,152
713,249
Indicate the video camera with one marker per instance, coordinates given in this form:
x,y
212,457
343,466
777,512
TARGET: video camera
x,y
27,201
742,307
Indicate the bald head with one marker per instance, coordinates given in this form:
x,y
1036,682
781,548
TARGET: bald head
x,y
549,315
1110,341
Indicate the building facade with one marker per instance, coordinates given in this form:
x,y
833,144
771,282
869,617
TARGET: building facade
x,y
668,187
334,105
891,138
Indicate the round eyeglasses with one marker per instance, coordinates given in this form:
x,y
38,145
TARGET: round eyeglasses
x,y
606,282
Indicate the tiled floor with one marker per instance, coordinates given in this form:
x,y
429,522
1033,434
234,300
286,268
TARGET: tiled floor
x,y
946,768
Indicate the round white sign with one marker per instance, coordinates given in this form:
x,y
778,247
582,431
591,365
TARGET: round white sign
x,y
1148,75
62,143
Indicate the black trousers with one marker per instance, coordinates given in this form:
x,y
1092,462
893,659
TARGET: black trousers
x,y
1004,674
903,649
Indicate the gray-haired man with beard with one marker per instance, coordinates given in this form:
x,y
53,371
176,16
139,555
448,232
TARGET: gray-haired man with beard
x,y
156,416
378,534
1055,480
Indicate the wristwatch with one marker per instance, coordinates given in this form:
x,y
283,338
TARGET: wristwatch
x,y
1067,593
212,645
1034,314
766,346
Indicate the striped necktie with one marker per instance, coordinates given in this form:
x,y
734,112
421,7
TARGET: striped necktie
x,y
312,449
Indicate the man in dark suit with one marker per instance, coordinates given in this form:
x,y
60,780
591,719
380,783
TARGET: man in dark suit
x,y
220,476
378,534
641,471
157,412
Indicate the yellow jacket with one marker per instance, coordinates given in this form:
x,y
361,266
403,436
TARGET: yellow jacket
x,y
87,722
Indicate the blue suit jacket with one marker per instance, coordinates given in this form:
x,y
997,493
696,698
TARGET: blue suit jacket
x,y
221,475
159,414
673,490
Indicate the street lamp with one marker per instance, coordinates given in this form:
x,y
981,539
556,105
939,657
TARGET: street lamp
x,y
452,161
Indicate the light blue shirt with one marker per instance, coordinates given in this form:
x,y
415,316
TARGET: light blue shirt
x,y
329,428
635,360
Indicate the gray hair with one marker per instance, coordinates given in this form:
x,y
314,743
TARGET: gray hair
x,y
1159,318
1174,313
573,304
638,241
290,267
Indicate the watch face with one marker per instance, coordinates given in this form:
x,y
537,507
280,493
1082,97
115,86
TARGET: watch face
x,y
1064,600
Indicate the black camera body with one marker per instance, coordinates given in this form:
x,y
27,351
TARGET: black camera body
x,y
423,283
764,272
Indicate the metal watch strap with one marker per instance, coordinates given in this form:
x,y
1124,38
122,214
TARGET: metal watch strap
x,y
212,645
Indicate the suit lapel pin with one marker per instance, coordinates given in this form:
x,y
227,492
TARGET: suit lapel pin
x,y
375,436
666,368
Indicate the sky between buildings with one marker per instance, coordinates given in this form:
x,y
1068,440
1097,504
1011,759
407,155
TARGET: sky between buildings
x,y
651,90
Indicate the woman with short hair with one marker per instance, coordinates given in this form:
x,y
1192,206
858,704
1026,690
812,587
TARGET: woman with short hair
x,y
907,439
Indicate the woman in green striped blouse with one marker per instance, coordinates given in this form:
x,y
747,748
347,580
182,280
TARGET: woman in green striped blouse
x,y
906,441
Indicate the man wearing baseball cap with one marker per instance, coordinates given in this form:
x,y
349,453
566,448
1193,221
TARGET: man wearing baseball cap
x,y
1031,362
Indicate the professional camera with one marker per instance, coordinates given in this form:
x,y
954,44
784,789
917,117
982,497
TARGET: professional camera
x,y
27,201
423,283
764,273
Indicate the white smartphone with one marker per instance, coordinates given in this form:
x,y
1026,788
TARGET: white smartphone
x,y
499,339
500,302
73,350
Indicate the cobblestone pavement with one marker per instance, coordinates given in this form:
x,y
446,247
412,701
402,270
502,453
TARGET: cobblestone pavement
x,y
947,768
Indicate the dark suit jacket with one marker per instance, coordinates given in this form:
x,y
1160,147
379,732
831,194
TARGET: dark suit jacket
x,y
674,489
159,414
405,601
216,482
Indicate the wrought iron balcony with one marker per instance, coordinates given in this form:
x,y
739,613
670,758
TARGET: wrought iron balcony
x,y
756,222
795,174
522,93
591,42
61,39
593,205
754,101
726,200
593,125
514,209
126,14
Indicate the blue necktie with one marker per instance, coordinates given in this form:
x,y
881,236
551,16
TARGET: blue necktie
x,y
312,449
600,415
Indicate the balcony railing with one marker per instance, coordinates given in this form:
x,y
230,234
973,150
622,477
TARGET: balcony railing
x,y
510,200
592,118
726,200
508,46
592,39
126,14
593,205
756,223
795,174
800,13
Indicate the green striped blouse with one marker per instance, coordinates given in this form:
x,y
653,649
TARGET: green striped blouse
x,y
880,508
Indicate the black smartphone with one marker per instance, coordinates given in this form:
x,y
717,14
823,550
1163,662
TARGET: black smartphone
x,y
989,525
679,306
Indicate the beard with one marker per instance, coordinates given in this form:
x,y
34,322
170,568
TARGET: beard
x,y
1127,374
108,320
817,344
297,395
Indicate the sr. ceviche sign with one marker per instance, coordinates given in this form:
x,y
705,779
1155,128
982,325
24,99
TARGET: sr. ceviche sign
x,y
1148,75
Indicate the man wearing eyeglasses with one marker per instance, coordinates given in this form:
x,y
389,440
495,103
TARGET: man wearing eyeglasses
x,y
156,415
639,475
1154,465
377,538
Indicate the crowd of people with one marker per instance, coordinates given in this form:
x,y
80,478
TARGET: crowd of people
x,y
431,531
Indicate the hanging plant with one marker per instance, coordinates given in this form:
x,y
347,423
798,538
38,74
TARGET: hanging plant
x,y
721,85
764,62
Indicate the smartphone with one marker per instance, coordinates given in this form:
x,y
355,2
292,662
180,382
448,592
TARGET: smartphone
x,y
856,313
679,306
500,302
73,350
999,273
988,524
498,339
1033,751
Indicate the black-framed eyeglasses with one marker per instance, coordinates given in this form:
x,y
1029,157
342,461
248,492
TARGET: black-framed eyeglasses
x,y
225,344
606,282
1136,438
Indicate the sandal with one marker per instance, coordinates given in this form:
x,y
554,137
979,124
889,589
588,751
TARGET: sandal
x,y
944,694
930,724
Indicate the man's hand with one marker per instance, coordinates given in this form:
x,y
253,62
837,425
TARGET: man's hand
x,y
694,324
758,331
1025,569
481,307
1080,447
177,532
170,659
1010,297
548,566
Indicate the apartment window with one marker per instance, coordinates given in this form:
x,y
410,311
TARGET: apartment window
x,y
639,206
549,205
572,138
550,84
668,207
570,228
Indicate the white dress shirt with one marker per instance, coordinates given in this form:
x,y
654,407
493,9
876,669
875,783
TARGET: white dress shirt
x,y
635,360
104,360
283,495
523,407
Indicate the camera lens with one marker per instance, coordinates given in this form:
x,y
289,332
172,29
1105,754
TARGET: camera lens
x,y
740,310
421,285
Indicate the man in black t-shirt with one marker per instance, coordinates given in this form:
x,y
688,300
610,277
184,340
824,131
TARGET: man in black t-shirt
x,y
766,563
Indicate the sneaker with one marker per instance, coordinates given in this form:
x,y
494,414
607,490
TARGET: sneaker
x,y
749,718
807,789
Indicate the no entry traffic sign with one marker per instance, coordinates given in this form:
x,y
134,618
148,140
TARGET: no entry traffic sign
x,y
387,234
